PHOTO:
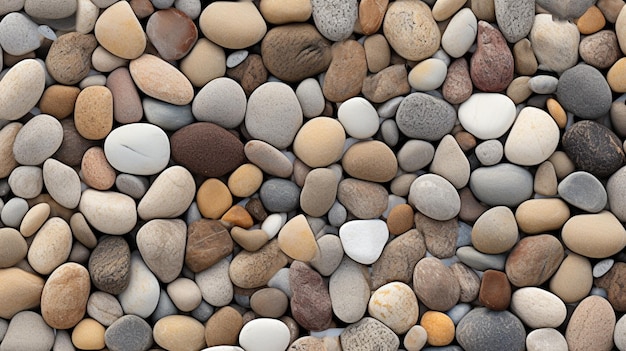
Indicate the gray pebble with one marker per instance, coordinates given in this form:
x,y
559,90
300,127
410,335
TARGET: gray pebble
x,y
480,261
337,214
543,84
193,213
369,331
566,9
167,116
164,308
503,184
459,311
221,101
335,19
7,6
415,155
584,91
389,108
38,139
311,98
437,117
203,312
28,331
489,152
162,4
4,324
26,181
464,237
485,330
191,8
242,300
515,18
235,58
128,333
581,189
389,132
600,268
63,341
280,195
13,212
280,281
104,308
599,292
132,185
18,34
4,187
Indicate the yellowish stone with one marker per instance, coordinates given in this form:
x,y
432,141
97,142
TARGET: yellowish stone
x,y
245,180
213,198
296,239
88,335
616,77
557,112
591,21
249,240
439,326
118,30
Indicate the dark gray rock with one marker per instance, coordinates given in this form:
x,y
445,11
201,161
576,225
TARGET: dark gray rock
x,y
369,334
129,333
503,184
485,330
203,312
515,18
583,190
280,195
584,91
422,116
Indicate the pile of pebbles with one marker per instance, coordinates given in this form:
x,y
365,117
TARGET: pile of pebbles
x,y
317,175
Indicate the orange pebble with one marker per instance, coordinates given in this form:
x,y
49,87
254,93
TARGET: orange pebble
x,y
238,216
591,21
557,112
213,198
439,326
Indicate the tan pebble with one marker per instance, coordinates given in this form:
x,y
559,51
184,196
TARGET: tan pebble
x,y
19,291
34,219
545,182
238,216
249,240
269,302
178,332
245,180
616,76
594,235
591,21
400,219
13,247
197,69
370,160
254,269
348,68
160,80
185,294
56,210
371,14
93,112
64,297
610,9
300,171
285,11
296,239
118,30
7,158
250,74
557,112
416,338
268,158
104,61
394,304
223,327
439,327
563,165
88,334
495,231
213,198
22,88
232,25
519,89
51,246
536,216
524,58
319,142
406,20
142,8
484,10
591,325
471,208
58,100
377,52
573,280
444,9
81,230
96,170
169,196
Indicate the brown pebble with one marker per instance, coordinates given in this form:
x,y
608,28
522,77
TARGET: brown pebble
x,y
249,240
534,260
348,68
386,84
491,66
400,219
465,140
69,58
269,302
58,100
495,290
142,8
251,73
610,9
73,146
238,216
223,327
64,296
310,301
524,57
93,112
468,281
255,207
457,87
127,107
208,241
371,14
398,259
96,170
612,282
172,33
439,236
377,53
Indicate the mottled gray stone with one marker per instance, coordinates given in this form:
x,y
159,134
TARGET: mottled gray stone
x,y
584,91
485,330
335,19
369,334
129,333
422,116
515,18
280,195
583,190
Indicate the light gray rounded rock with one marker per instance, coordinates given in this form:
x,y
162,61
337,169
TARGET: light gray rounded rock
x,y
63,341
38,139
555,43
435,197
18,34
515,18
164,308
337,215
615,188
415,155
480,261
619,335
437,117
319,192
28,331
215,285
329,254
62,182
280,281
503,184
13,212
137,148
309,93
543,84
161,243
335,19
280,195
545,339
581,189
104,308
191,8
349,291
142,294
566,9
167,116
132,185
390,133
50,9
203,312
583,91
538,308
26,181
108,211
273,114
221,101
368,334
489,152
13,247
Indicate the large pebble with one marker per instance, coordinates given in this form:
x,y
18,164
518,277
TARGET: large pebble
x,y
69,57
118,30
450,162
13,247
594,235
62,183
221,101
179,332
26,181
583,190
137,148
104,308
456,39
264,334
309,93
142,294
64,297
18,34
310,300
368,334
171,85
538,308
206,149
555,43
88,334
398,259
28,331
335,19
254,269
534,260
319,192
535,216
208,241
232,25
223,327
544,338
198,70
584,91
37,140
349,291
365,200
407,20
275,11
358,117
491,67
308,145
437,117
172,33
20,291
483,329
533,137
371,161
573,280
457,87
502,184
296,239
109,212
478,115
215,284
129,332
435,197
495,231
415,155
435,285
109,265
51,246
428,75
395,305
440,237
600,50
348,68
364,240
515,18
169,196
591,325
161,243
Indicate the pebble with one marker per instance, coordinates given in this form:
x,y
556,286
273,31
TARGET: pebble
x,y
524,305
349,291
396,306
602,267
296,239
13,247
533,137
370,160
495,231
400,219
428,75
438,117
27,330
573,280
450,162
483,329
607,158
51,246
358,118
199,71
477,115
167,116
223,326
280,195
329,254
335,20
26,181
308,148
435,285
618,335
502,184
254,269
597,96
20,25
88,335
457,87
368,334
591,323
541,339
62,183
156,235
491,67
401,36
583,190
169,196
415,155
215,284
13,212
363,199
534,260
109,265
21,291
172,87
490,152
364,240
142,294
377,52
456,39
536,216
208,241
7,138
515,19
310,300
37,140
109,212
610,240
268,158
93,112
439,328
129,332
264,334
269,302
348,68
64,296
435,197
469,283
610,283
600,50
319,192
387,84
213,198
104,308
68,59
218,25
555,43
309,93
275,12
118,30
221,101
96,171
172,33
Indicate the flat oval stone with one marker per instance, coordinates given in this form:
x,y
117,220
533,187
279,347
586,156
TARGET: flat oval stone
x,y
533,137
502,184
365,200
405,21
88,334
555,43
185,295
308,145
450,162
335,19
64,297
348,68
127,107
591,325
218,24
584,91
573,280
525,302
309,93
109,265
271,333
179,331
268,158
169,196
272,122
197,69
358,117
26,181
536,216
118,30
477,115
280,195
172,33
456,39
215,284
104,308
27,330
20,289
364,240
274,11
167,116
435,197
221,101
371,161
269,302
51,246
349,291
435,285
415,155
109,212
207,149
142,294
93,112
16,25
161,243
437,117
428,74
583,190
388,83
395,305
491,66
172,86
495,231
129,332
538,339
137,148
609,236
37,140
593,148
483,329
368,334
319,192
534,260
62,183
293,52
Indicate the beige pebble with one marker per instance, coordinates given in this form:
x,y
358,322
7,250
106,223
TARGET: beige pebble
x,y
7,158
59,100
232,25
245,180
594,235
518,90
96,170
573,280
88,334
21,88
118,30
169,196
81,230
34,219
563,165
93,112
610,9
249,240
536,216
213,198
108,211
19,291
51,246
104,61
160,80
185,294
13,247
285,11
545,182
64,296
370,160
407,20
296,239
377,52
524,58
178,332
319,142
197,69
268,158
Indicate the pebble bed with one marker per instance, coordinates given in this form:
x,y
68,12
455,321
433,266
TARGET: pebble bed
x,y
318,175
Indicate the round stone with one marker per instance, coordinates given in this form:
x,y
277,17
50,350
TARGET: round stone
x,y
51,246
172,33
232,25
584,91
37,140
555,43
358,117
88,334
540,339
64,297
27,330
478,115
368,334
609,235
13,247
152,240
185,294
483,329
428,74
69,56
221,101
335,19
437,117
104,308
503,184
213,198
141,296
591,325
118,30
456,39
533,137
308,145
269,302
309,93
26,181
264,334
495,231
534,260
21,291
96,170
573,280
525,302
176,331
583,190
129,332
109,265
245,180
172,86
349,291
62,182
405,21
109,212
435,197
536,216
435,284
364,240
371,161
396,306
439,328
169,196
